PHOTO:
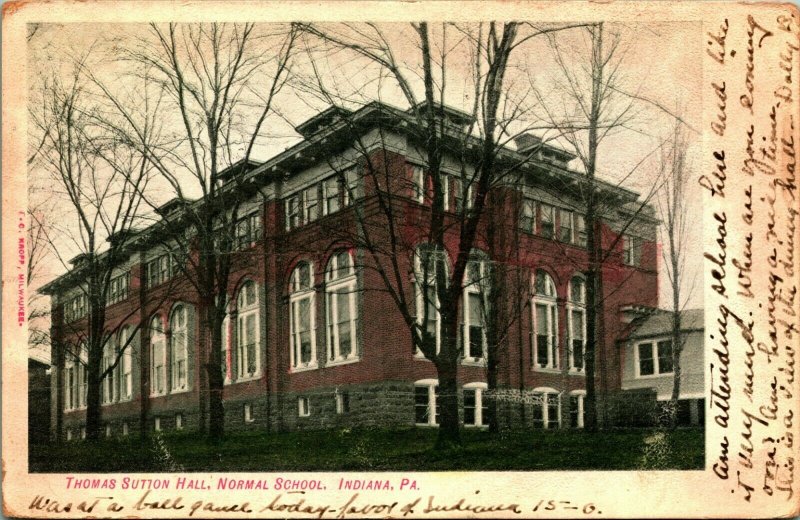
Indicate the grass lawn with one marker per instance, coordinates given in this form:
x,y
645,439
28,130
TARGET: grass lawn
x,y
381,450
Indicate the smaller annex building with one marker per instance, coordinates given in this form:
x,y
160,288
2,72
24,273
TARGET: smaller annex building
x,y
648,365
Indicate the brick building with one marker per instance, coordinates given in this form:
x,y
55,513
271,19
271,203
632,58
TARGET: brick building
x,y
313,339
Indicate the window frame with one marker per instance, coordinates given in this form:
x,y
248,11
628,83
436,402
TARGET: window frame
x,y
550,303
335,283
472,288
125,342
629,250
654,344
303,406
110,384
568,214
422,286
178,349
298,293
118,288
418,183
479,406
542,209
576,306
342,401
245,310
544,394
580,396
431,386
157,335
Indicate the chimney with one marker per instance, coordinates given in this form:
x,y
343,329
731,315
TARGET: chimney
x,y
526,142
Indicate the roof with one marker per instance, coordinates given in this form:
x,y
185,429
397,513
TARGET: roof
x,y
660,323
319,131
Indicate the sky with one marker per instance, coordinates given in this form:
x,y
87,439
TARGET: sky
x,y
657,64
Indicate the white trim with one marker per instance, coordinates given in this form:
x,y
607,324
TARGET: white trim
x,y
338,283
654,341
297,296
430,385
247,310
546,392
303,406
479,389
179,333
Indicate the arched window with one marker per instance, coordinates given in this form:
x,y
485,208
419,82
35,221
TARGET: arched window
x,y
546,408
83,374
475,308
247,334
110,383
429,264
302,318
71,369
125,344
178,349
426,395
158,358
545,321
576,323
576,408
475,409
225,357
342,311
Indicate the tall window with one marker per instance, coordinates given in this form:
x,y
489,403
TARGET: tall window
x,y
576,323
70,382
75,308
157,270
527,218
83,375
475,409
340,304
545,321
459,195
248,231
629,250
179,345
247,333
426,395
225,356
565,226
158,358
330,195
118,288
547,221
418,181
302,319
292,212
546,408
654,357
311,204
427,261
580,230
126,364
475,307
110,383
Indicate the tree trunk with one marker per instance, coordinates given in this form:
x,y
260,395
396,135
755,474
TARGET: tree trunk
x,y
449,429
677,347
216,410
93,413
593,242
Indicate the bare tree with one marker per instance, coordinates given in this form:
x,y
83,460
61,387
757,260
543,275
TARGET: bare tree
x,y
100,180
594,106
474,151
219,83
673,210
